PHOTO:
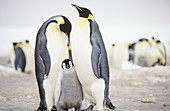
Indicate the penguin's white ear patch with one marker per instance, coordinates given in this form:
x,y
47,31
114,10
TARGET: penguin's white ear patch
x,y
70,63
64,66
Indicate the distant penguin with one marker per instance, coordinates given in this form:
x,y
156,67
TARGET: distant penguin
x,y
28,50
162,49
121,54
90,59
132,52
111,57
141,48
68,93
50,50
153,42
20,60
12,55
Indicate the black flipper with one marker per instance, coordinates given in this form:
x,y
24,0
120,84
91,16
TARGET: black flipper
x,y
100,60
20,60
95,57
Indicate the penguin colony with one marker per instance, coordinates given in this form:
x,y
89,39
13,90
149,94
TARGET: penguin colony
x,y
61,84
21,57
144,53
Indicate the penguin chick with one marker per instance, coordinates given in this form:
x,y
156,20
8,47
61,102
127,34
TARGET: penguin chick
x,y
68,92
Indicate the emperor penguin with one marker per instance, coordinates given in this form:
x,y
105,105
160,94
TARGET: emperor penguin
x,y
28,50
91,63
50,50
153,42
111,57
140,52
121,54
162,49
20,60
68,92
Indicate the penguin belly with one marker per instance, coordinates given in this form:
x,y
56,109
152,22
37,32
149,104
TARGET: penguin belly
x,y
29,58
140,53
81,52
57,48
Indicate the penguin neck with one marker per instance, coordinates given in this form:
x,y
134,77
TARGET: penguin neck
x,y
53,31
82,20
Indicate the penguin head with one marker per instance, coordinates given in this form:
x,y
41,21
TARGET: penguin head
x,y
67,64
66,26
158,42
62,24
153,38
84,12
27,41
14,44
113,45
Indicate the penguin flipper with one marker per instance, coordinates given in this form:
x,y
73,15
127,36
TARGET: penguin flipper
x,y
44,54
95,59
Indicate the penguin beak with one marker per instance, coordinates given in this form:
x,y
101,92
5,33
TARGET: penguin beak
x,y
77,7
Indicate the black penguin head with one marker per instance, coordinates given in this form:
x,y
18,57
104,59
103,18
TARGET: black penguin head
x,y
27,41
158,41
61,23
67,64
84,12
153,38
14,43
66,26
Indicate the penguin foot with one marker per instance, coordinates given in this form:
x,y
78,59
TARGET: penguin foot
x,y
53,108
109,104
90,108
42,108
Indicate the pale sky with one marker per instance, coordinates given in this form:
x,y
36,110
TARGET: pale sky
x,y
119,20
115,12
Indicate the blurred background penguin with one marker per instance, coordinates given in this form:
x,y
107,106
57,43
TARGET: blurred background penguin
x,y
28,50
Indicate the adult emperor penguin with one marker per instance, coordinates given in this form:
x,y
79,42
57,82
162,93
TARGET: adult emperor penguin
x,y
68,92
111,57
90,59
28,50
20,60
121,54
50,50
141,49
162,49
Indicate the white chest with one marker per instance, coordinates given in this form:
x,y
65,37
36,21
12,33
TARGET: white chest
x,y
81,51
57,48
